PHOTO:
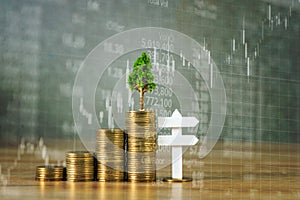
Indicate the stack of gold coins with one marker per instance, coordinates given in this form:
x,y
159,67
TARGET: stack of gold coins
x,y
141,146
110,154
80,166
50,173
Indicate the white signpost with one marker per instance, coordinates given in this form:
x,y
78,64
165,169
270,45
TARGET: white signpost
x,y
177,140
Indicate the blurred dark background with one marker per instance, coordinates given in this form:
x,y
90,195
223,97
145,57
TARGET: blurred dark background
x,y
42,44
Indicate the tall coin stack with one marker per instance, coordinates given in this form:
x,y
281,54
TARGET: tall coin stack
x,y
80,166
50,173
142,144
110,154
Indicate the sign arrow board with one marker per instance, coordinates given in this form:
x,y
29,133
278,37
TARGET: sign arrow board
x,y
173,122
186,140
177,140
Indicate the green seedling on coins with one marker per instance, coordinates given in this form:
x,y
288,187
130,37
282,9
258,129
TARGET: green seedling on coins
x,y
141,77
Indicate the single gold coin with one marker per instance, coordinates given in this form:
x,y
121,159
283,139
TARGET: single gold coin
x,y
177,180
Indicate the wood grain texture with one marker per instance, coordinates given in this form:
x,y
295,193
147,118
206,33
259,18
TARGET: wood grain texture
x,y
233,170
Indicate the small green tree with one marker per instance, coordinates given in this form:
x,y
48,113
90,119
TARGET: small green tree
x,y
141,78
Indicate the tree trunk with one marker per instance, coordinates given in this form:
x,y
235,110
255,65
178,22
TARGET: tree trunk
x,y
141,99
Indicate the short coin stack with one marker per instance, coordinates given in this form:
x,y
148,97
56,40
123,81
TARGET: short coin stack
x,y
110,154
50,173
80,166
142,144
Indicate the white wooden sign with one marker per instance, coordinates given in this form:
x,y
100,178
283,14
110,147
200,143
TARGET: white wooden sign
x,y
177,140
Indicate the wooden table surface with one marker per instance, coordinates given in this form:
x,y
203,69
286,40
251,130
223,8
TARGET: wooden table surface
x,y
233,170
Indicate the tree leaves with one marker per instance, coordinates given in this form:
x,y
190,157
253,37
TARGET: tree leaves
x,y
141,77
